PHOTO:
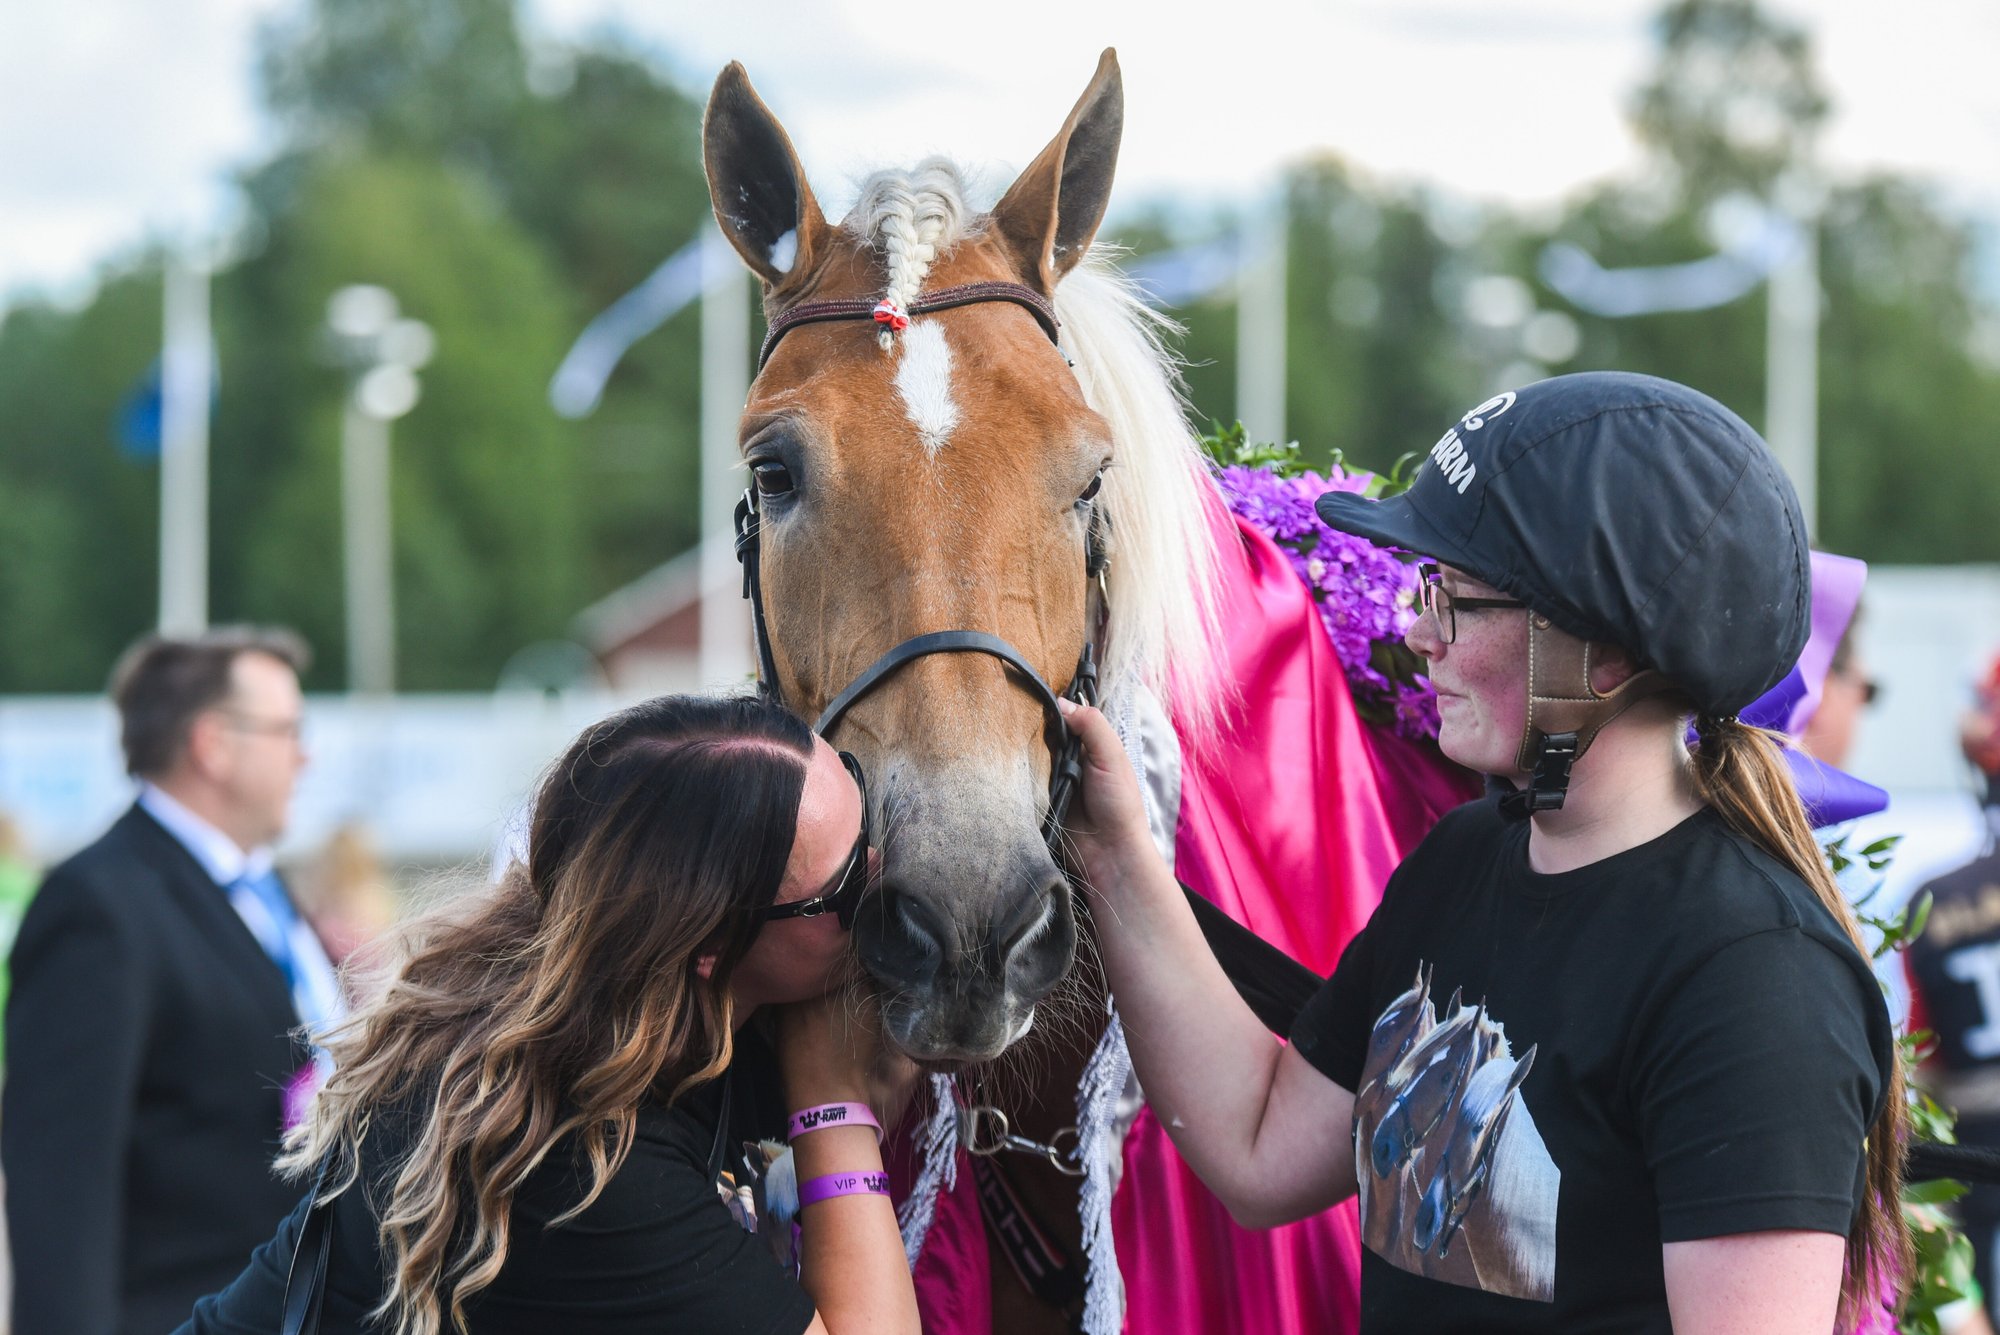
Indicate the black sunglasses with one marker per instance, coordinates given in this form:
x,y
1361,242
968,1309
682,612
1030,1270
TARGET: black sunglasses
x,y
845,897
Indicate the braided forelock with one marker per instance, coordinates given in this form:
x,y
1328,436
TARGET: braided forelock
x,y
912,217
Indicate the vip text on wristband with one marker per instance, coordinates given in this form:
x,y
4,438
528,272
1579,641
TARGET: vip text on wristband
x,y
821,1116
816,1189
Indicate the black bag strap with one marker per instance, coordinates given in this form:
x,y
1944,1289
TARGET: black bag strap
x,y
305,1283
1275,985
718,1150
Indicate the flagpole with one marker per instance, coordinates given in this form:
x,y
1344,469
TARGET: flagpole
x,y
725,383
1260,321
187,378
1791,367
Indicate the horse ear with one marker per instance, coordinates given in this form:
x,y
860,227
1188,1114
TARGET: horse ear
x,y
1521,1068
1051,212
762,201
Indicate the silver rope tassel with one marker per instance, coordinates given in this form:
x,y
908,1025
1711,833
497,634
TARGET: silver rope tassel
x,y
939,1172
1100,1142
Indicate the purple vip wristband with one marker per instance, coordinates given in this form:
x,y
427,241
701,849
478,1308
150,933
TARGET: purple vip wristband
x,y
821,1116
817,1189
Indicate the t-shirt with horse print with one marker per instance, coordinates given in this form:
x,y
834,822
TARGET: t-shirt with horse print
x,y
1556,1074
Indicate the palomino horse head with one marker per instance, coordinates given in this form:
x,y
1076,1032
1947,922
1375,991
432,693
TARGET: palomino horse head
x,y
939,477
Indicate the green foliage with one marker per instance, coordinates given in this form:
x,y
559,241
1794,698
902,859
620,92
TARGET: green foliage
x,y
415,155
1231,447
485,501
427,77
1944,1258
1384,349
1734,100
508,192
81,518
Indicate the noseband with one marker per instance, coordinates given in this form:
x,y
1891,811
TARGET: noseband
x,y
1066,748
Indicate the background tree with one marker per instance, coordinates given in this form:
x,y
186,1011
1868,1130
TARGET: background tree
x,y
1734,100
508,189
506,194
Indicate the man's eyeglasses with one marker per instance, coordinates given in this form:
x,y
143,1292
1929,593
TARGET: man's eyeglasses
x,y
291,729
845,897
1444,605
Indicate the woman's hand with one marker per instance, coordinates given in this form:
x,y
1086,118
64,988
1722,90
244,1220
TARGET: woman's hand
x,y
1107,823
851,1260
832,1051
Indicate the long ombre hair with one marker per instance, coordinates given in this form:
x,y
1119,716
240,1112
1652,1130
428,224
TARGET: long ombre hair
x,y
566,995
1740,771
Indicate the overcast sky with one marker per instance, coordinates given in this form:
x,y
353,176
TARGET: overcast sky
x,y
119,119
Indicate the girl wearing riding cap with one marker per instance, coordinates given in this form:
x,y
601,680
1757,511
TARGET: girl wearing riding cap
x,y
1608,1056
550,1118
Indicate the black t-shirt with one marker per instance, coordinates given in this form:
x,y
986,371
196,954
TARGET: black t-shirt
x,y
657,1251
1954,970
1555,1074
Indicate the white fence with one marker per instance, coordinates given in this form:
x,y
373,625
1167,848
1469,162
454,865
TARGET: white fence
x,y
1926,633
433,777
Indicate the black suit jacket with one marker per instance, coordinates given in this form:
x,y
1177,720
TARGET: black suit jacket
x,y
148,1046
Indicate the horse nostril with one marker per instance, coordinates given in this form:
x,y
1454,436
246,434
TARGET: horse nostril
x,y
1384,1151
907,945
1030,917
1430,1217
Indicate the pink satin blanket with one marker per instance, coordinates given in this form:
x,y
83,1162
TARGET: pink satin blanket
x,y
1292,823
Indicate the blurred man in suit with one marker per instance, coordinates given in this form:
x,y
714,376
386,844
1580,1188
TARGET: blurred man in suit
x,y
157,978
1954,971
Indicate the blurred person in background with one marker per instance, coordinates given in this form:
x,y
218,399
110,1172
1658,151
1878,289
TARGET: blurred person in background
x,y
1954,973
17,887
347,893
157,978
1846,692
560,1113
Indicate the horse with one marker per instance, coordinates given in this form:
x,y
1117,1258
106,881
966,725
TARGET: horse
x,y
973,486
1456,1182
1427,1082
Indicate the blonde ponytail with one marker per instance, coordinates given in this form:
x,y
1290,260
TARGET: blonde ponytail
x,y
1741,772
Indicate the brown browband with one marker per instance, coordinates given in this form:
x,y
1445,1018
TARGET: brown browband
x,y
863,308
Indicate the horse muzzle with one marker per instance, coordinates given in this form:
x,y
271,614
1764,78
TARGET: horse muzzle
x,y
961,987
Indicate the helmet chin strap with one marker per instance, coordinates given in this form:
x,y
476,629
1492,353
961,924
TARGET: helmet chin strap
x,y
1565,714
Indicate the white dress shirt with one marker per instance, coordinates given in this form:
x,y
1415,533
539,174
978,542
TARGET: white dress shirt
x,y
316,994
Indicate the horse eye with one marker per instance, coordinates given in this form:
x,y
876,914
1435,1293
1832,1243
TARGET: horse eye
x,y
1090,491
773,478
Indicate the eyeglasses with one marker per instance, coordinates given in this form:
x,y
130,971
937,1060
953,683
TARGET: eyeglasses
x,y
1444,605
845,897
292,729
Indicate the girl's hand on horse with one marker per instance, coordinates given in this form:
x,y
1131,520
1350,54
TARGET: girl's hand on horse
x,y
832,1051
1107,821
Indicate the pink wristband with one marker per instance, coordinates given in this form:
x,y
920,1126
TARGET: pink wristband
x,y
816,1189
821,1116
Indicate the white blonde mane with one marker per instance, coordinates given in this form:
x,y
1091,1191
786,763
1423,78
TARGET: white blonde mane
x,y
1165,626
912,217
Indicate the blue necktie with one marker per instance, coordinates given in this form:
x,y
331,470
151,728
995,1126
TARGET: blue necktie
x,y
270,893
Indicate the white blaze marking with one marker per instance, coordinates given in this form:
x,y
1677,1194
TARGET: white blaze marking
x,y
923,378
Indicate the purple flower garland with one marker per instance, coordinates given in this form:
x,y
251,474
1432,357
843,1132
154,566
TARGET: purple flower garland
x,y
1367,595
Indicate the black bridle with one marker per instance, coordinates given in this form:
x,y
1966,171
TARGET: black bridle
x,y
1065,747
